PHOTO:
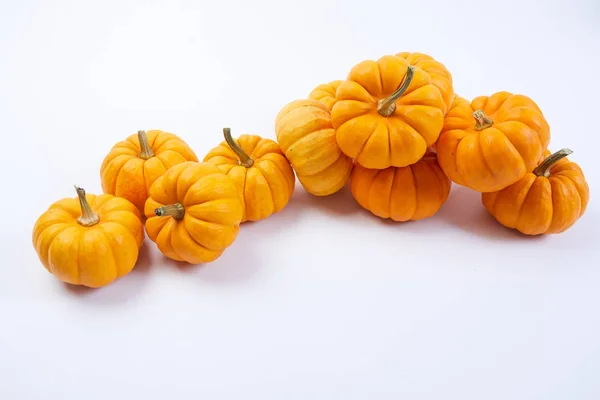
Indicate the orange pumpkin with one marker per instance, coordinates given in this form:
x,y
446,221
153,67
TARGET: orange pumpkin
x,y
304,132
491,142
414,192
325,93
387,113
132,165
440,76
89,240
260,171
550,199
193,212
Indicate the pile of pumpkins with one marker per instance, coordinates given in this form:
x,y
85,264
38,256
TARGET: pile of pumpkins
x,y
394,129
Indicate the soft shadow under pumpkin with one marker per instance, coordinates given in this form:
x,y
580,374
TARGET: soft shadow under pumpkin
x,y
238,263
340,203
464,210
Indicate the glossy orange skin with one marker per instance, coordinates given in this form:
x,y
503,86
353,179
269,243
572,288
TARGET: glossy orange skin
x,y
266,187
537,205
496,157
93,256
213,212
123,173
325,93
304,132
376,141
440,76
402,194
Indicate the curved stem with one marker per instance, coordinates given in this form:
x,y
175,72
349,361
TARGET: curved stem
x,y
88,216
544,168
387,105
482,121
146,151
176,211
244,159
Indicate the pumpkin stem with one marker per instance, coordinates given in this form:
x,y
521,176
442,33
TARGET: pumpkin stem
x,y
88,216
387,105
146,151
544,168
244,159
171,210
482,121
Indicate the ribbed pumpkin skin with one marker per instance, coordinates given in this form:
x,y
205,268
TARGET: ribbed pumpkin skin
x,y
537,205
409,193
307,138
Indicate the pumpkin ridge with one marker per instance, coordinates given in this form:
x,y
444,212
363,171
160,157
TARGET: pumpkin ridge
x,y
403,120
80,239
514,147
280,171
119,150
111,250
414,180
340,154
529,127
520,209
184,200
117,172
392,187
567,181
159,149
158,139
555,200
129,143
371,186
431,168
483,156
262,172
380,80
191,211
369,136
40,239
187,232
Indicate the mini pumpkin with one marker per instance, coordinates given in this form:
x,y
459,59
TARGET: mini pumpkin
x,y
260,171
387,113
89,240
325,93
412,193
304,132
550,199
440,76
193,212
132,165
492,142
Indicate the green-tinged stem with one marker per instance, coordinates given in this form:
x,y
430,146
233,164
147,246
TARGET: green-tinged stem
x,y
387,105
244,159
171,210
544,168
146,151
88,216
482,121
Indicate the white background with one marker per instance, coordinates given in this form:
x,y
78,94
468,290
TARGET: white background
x,y
321,301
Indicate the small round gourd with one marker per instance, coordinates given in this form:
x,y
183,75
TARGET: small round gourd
x,y
89,240
492,142
132,165
387,113
193,212
262,174
307,138
548,200
408,193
